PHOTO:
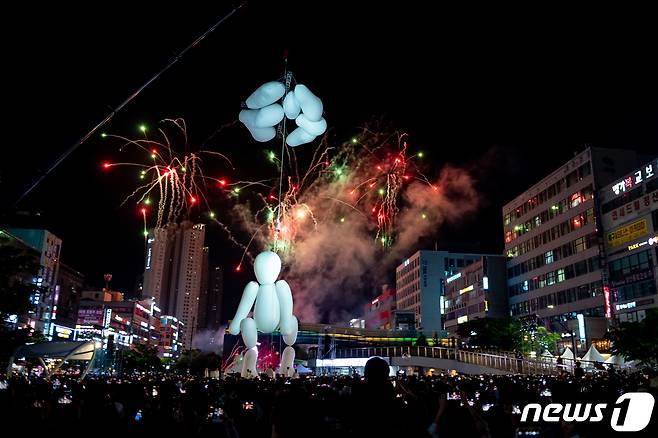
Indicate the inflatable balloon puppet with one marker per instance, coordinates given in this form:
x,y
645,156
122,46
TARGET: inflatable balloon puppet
x,y
264,113
272,309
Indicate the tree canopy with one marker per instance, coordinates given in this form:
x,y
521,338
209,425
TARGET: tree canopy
x,y
636,340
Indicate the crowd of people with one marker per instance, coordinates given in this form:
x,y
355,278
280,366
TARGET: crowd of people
x,y
374,405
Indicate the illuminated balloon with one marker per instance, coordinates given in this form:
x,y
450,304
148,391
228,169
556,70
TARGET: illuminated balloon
x,y
291,337
249,334
266,94
248,296
273,305
262,134
269,116
291,106
248,117
285,304
287,361
310,103
267,267
313,128
249,369
266,310
266,111
298,137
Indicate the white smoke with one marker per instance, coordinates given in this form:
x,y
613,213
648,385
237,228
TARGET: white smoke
x,y
210,341
337,257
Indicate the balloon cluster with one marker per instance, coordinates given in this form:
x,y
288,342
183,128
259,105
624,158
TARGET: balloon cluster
x,y
265,112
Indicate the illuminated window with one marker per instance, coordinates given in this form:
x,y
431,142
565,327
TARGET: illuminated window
x,y
548,257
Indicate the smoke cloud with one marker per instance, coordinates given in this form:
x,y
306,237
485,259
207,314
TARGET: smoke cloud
x,y
337,259
209,341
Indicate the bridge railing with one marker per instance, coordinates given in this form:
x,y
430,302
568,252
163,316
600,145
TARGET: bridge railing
x,y
499,362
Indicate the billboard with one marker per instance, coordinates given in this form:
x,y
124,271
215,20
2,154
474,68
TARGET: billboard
x,y
627,233
90,316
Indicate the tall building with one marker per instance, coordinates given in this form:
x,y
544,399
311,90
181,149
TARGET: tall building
x,y
173,272
215,298
554,245
202,316
49,247
68,293
629,215
419,288
476,291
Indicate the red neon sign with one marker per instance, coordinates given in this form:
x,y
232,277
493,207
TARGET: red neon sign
x,y
608,306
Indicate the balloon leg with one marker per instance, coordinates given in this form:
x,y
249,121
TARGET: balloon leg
x,y
287,360
249,363
249,332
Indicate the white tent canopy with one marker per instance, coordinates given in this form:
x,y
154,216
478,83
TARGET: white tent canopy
x,y
301,369
67,350
568,354
546,353
593,355
616,360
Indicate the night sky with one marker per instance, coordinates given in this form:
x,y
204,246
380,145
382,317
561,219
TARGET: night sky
x,y
525,94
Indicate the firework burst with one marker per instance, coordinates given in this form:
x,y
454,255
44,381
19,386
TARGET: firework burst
x,y
361,181
172,183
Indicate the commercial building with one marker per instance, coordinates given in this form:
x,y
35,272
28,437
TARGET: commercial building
x,y
629,215
173,272
120,324
555,248
379,312
476,291
170,327
69,291
44,300
419,285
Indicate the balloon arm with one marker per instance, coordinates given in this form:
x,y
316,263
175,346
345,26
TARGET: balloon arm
x,y
285,302
246,303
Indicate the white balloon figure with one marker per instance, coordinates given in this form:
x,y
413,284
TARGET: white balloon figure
x,y
272,309
265,112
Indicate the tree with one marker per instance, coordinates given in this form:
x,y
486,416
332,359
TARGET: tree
x,y
636,340
141,357
196,361
499,333
540,340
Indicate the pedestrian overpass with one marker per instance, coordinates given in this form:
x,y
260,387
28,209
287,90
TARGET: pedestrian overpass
x,y
439,358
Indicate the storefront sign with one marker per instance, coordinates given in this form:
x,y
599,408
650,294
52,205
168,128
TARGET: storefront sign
x,y
627,233
633,208
608,306
650,242
642,174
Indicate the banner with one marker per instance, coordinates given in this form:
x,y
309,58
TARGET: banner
x,y
627,233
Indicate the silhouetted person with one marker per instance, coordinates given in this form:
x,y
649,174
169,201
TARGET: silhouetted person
x,y
375,411
578,372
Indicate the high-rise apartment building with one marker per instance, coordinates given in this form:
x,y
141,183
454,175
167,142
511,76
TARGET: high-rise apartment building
x,y
173,272
553,240
48,246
